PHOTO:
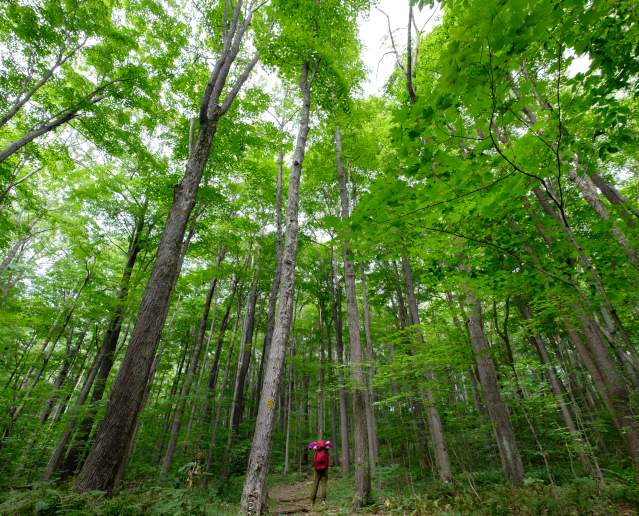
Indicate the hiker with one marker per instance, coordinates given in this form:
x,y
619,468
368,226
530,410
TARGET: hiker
x,y
320,468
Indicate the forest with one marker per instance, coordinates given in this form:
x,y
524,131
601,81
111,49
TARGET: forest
x,y
217,246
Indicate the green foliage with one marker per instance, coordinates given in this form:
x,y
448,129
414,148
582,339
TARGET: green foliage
x,y
138,501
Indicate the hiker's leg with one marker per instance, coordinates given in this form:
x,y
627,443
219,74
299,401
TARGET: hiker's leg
x,y
316,480
324,481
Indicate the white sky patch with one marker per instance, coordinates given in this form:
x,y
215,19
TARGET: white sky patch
x,y
579,64
377,51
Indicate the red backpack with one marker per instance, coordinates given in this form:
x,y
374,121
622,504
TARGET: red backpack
x,y
320,461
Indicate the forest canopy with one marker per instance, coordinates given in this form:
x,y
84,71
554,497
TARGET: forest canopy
x,y
218,245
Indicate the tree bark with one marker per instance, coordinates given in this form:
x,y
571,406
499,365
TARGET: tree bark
x,y
336,307
223,388
190,374
58,453
362,460
320,395
559,392
254,494
275,284
370,408
109,450
589,193
497,409
434,420
614,197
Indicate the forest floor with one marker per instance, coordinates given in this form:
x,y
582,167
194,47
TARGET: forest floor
x,y
292,498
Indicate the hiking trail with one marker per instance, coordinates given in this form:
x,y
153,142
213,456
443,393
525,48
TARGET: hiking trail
x,y
294,499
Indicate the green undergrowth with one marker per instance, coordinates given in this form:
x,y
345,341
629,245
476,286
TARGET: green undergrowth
x,y
397,492
401,492
48,500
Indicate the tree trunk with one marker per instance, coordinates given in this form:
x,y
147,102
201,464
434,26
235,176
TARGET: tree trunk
x,y
58,453
275,284
215,366
190,374
371,422
289,404
434,420
614,197
109,450
61,377
589,193
497,409
109,345
223,388
244,357
362,460
320,395
336,307
559,393
254,494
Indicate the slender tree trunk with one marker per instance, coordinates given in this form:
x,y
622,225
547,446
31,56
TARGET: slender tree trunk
x,y
614,197
320,395
223,388
371,423
559,393
118,426
497,409
275,284
254,494
108,349
331,379
289,405
58,453
336,306
61,377
434,420
589,193
244,357
215,366
168,416
190,374
362,461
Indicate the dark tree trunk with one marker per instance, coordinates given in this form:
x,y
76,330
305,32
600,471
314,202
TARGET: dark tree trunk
x,y
116,431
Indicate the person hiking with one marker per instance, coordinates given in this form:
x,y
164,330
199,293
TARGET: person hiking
x,y
320,468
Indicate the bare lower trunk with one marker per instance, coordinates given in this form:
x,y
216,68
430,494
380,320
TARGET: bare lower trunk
x,y
58,454
254,494
336,306
589,192
497,409
108,349
434,420
61,377
370,409
275,284
223,388
559,393
320,394
613,195
362,461
190,374
289,404
117,429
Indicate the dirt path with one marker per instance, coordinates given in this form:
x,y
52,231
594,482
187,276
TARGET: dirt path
x,y
291,498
